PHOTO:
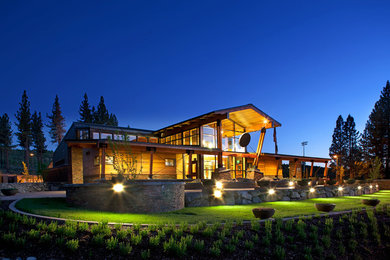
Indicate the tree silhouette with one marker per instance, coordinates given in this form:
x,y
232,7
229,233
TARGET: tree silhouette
x,y
85,111
56,123
23,117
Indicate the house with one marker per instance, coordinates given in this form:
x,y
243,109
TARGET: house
x,y
193,148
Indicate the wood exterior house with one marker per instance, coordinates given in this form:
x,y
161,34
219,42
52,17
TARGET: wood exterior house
x,y
193,148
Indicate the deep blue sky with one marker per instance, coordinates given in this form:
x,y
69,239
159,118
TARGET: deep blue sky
x,y
160,62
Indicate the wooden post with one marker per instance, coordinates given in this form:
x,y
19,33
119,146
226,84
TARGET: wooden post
x,y
296,168
259,146
190,164
277,167
311,169
326,170
219,143
103,162
151,164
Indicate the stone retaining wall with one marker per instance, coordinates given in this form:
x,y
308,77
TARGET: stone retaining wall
x,y
242,197
25,187
147,196
384,184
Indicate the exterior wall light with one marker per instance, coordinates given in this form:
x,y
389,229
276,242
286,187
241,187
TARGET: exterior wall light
x,y
309,183
359,187
217,193
271,191
370,186
340,188
291,183
377,186
118,187
312,190
219,185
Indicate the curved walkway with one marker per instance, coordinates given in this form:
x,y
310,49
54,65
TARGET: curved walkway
x,y
38,194
62,195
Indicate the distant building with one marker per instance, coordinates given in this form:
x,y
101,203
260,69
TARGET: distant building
x,y
194,148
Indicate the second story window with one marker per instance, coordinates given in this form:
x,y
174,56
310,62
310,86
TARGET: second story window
x,y
83,134
105,136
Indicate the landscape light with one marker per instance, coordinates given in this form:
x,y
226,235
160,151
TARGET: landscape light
x,y
312,190
217,193
291,183
219,185
118,187
309,183
359,187
370,186
377,186
340,188
271,191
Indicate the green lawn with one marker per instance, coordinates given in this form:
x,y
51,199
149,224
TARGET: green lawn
x,y
58,208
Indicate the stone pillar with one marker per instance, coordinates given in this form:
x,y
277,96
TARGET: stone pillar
x,y
77,165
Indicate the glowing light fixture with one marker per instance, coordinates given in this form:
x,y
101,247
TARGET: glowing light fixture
x,y
271,191
291,183
309,183
340,188
118,187
217,193
377,186
265,121
359,187
312,190
370,186
219,185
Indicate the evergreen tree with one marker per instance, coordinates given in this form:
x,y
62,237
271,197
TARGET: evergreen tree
x,y
23,116
38,137
85,111
351,146
376,136
338,141
101,115
57,123
5,138
112,120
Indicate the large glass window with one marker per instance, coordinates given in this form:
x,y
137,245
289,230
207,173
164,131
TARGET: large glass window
x,y
95,135
83,134
209,165
190,137
209,135
105,136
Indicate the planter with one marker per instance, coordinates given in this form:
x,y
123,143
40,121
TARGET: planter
x,y
325,207
371,202
263,213
9,192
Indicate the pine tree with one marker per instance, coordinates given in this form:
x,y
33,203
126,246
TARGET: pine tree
x,y
338,141
351,144
85,111
112,120
38,137
57,123
5,137
376,136
23,116
101,115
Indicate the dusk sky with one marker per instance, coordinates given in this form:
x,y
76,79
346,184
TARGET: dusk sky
x,y
160,62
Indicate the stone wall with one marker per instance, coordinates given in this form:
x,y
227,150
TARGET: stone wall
x,y
242,197
384,184
139,196
26,187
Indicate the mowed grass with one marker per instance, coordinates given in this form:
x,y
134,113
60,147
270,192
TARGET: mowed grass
x,y
57,207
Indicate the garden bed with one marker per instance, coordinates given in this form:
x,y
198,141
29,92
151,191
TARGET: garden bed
x,y
358,235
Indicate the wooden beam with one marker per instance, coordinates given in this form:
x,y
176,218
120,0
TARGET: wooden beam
x,y
103,163
296,168
277,167
259,146
311,168
219,143
190,164
326,170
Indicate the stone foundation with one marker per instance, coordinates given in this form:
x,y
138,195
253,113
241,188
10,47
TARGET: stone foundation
x,y
243,197
139,196
26,187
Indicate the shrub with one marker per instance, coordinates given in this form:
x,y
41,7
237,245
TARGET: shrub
x,y
280,252
248,244
198,245
230,248
33,234
83,226
52,227
9,239
45,239
111,243
341,249
12,227
240,234
136,239
288,225
279,237
117,226
101,228
194,229
145,254
121,234
303,182
125,248
255,225
154,241
41,225
20,242
174,248
72,245
255,238
326,241
331,182
264,183
351,181
60,241
98,240
215,251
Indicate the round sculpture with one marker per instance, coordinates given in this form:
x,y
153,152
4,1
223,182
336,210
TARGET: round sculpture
x,y
371,202
9,192
244,140
325,207
263,213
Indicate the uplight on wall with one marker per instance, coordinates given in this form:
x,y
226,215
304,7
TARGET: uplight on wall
x,y
118,187
340,188
217,193
312,190
219,185
359,187
271,191
290,183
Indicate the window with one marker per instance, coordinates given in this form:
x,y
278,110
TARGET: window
x,y
109,160
95,135
142,139
170,162
105,136
96,161
131,138
119,137
153,140
209,136
83,134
